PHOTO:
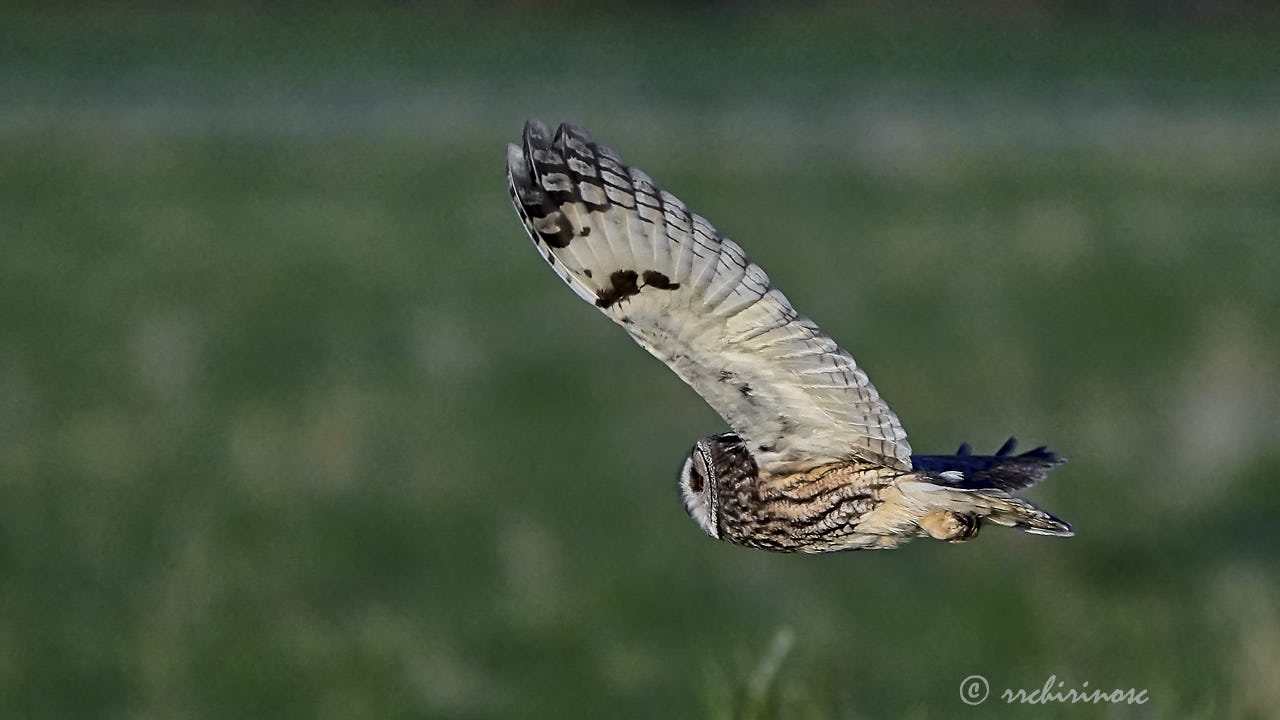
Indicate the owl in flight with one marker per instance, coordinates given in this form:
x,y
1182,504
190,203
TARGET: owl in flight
x,y
815,461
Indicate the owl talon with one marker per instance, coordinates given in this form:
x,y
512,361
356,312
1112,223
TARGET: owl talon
x,y
951,527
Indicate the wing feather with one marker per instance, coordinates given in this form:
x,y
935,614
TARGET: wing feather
x,y
692,298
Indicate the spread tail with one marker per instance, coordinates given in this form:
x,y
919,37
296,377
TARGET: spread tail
x,y
1002,508
982,486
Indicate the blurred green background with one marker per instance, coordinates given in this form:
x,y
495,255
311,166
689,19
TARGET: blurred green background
x,y
295,423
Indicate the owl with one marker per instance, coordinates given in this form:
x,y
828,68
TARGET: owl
x,y
815,461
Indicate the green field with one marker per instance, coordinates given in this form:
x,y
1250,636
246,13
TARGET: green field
x,y
295,423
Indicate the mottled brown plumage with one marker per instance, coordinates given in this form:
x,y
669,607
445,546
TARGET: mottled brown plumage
x,y
817,461
841,505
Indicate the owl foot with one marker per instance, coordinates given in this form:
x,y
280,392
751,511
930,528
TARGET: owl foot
x,y
951,527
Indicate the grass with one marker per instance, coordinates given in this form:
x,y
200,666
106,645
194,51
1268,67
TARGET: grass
x,y
294,423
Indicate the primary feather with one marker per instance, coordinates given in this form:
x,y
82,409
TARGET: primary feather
x,y
692,298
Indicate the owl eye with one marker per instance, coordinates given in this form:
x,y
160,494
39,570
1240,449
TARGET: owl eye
x,y
695,481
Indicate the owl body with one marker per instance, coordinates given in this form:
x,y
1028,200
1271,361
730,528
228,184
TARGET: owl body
x,y
816,461
820,510
816,510
847,505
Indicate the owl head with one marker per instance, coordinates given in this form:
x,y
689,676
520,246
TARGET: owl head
x,y
715,463
697,487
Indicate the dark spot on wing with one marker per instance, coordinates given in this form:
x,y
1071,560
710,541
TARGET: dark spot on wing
x,y
586,271
585,231
764,448
653,278
560,238
745,389
551,258
725,376
622,286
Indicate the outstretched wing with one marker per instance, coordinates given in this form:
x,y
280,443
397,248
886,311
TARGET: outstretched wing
x,y
693,299
1004,470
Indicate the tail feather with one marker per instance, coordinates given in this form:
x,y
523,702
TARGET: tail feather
x,y
982,485
1017,513
991,504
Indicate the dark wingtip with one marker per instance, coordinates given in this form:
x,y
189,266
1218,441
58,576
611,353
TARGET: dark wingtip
x,y
520,180
537,144
572,131
536,138
516,164
526,167
1003,469
1045,455
536,133
1007,447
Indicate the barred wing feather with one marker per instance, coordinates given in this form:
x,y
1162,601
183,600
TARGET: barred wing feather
x,y
692,298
